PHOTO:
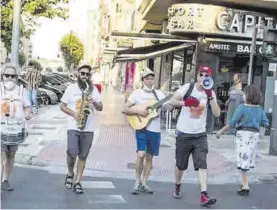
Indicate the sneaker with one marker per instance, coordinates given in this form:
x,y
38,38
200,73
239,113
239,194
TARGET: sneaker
x,y
177,193
6,186
136,189
243,192
145,188
206,200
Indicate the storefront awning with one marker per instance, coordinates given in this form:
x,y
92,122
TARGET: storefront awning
x,y
143,53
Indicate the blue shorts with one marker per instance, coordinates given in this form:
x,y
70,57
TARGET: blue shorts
x,y
148,141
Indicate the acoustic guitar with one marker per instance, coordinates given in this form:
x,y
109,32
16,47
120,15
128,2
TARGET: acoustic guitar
x,y
138,122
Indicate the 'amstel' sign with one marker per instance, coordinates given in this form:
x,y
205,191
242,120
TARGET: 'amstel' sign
x,y
215,20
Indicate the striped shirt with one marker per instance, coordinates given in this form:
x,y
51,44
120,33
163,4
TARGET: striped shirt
x,y
34,79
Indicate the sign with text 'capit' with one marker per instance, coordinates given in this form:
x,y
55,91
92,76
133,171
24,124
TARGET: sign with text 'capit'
x,y
216,20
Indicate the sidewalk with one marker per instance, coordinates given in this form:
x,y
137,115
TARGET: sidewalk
x,y
114,149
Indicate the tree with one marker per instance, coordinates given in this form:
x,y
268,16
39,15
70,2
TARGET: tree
x,y
72,50
60,69
36,65
31,10
22,59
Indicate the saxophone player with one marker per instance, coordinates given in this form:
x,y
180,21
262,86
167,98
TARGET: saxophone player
x,y
79,102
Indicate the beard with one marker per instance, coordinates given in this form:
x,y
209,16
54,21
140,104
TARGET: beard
x,y
82,84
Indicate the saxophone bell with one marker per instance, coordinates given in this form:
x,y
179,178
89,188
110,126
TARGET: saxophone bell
x,y
87,111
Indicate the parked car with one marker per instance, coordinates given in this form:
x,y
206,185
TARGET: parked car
x,y
52,98
43,98
51,81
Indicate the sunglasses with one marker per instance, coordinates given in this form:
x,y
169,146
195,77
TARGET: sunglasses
x,y
10,75
84,73
205,75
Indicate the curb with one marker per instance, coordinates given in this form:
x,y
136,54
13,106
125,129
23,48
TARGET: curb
x,y
29,160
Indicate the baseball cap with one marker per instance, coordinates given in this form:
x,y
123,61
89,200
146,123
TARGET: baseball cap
x,y
205,69
147,72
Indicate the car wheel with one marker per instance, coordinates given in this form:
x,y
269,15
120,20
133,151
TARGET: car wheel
x,y
47,101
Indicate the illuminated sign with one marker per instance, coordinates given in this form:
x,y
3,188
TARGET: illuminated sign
x,y
216,20
227,47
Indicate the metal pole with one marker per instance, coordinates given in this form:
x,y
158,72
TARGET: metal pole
x,y
16,32
273,133
253,51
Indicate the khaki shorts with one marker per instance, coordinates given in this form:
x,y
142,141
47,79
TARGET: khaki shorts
x,y
9,148
79,143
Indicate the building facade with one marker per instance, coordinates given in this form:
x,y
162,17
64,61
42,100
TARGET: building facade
x,y
186,35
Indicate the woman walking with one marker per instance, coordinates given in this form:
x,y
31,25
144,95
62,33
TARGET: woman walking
x,y
235,99
247,119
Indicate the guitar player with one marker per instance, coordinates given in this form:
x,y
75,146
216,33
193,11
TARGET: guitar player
x,y
148,139
191,138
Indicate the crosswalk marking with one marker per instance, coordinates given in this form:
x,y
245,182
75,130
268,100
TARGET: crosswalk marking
x,y
99,199
98,184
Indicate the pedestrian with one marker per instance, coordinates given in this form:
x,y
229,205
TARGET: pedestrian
x,y
15,109
191,137
235,99
34,79
247,119
79,102
147,139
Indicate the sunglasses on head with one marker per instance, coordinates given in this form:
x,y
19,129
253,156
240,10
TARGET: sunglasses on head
x,y
84,73
10,75
205,75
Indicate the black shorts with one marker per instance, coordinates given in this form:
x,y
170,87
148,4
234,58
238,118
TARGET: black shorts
x,y
191,143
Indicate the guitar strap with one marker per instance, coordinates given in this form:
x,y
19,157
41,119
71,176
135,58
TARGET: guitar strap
x,y
155,94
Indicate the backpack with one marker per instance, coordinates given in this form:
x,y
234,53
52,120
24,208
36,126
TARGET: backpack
x,y
13,130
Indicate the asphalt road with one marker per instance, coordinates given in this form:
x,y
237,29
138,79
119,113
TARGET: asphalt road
x,y
39,189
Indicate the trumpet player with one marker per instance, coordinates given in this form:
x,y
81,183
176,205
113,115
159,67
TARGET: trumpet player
x,y
79,102
191,138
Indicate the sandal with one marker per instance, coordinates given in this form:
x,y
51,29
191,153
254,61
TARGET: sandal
x,y
77,188
68,181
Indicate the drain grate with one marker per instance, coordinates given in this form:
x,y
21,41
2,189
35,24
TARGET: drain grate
x,y
35,133
133,166
164,146
44,128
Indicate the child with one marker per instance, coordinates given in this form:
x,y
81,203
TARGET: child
x,y
247,118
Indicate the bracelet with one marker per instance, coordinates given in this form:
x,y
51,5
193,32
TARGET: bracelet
x,y
211,98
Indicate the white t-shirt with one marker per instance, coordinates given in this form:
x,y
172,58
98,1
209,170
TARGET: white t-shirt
x,y
15,110
73,98
140,96
192,120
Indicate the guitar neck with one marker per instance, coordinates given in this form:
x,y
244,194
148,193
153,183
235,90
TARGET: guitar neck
x,y
161,102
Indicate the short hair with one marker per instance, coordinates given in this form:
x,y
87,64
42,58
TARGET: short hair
x,y
10,66
253,95
85,67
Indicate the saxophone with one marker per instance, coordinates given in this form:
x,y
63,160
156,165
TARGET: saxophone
x,y
84,109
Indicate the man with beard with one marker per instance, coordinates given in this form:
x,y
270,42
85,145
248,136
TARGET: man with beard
x,y
15,109
79,140
148,139
191,137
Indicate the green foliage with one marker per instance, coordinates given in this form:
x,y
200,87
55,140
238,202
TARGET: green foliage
x,y
60,69
36,65
30,11
72,50
22,59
